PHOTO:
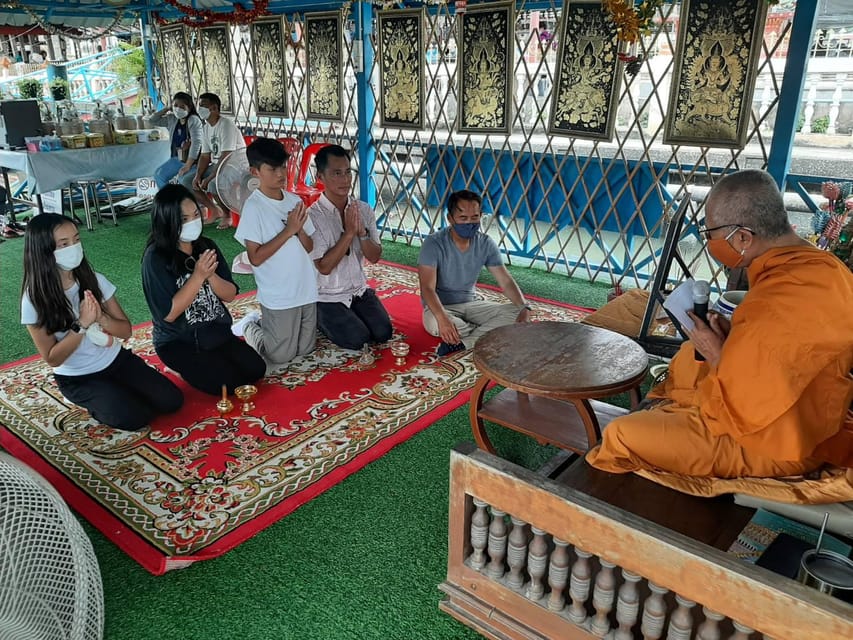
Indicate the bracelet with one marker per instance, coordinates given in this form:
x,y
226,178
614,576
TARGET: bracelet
x,y
527,306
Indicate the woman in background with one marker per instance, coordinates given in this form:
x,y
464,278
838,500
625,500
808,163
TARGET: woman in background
x,y
185,133
75,321
186,281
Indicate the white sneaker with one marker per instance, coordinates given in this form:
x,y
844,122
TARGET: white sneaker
x,y
240,326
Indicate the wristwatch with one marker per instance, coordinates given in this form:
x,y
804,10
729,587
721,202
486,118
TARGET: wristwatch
x,y
527,306
76,327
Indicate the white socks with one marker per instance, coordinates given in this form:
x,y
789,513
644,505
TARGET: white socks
x,y
239,327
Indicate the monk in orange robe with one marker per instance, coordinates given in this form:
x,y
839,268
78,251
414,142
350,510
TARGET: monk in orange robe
x,y
770,399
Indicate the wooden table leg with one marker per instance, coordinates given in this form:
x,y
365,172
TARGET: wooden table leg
x,y
636,398
590,421
477,426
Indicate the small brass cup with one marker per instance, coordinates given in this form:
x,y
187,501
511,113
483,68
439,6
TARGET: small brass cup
x,y
400,350
246,393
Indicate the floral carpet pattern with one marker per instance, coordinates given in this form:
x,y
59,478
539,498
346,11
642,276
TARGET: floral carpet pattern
x,y
197,483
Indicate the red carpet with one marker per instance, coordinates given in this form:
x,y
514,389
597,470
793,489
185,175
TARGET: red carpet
x,y
197,484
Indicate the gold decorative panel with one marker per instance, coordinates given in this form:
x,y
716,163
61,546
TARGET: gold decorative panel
x,y
486,43
586,93
269,67
401,71
175,67
216,62
710,100
324,61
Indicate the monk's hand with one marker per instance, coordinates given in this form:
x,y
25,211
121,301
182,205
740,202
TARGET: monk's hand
x,y
720,324
523,315
706,341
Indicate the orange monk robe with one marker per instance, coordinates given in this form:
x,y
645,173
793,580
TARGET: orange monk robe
x,y
776,404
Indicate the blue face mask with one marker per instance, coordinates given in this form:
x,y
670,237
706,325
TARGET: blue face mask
x,y
467,229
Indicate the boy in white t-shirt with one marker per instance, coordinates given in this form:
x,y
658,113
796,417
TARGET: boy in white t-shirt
x,y
220,138
276,231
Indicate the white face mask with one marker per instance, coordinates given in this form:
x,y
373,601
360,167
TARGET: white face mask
x,y
180,113
190,231
203,113
69,258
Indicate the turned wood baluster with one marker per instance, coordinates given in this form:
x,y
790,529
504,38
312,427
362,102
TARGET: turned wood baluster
x,y
602,598
479,534
537,559
654,613
517,553
497,545
681,621
710,628
742,632
627,606
579,586
558,575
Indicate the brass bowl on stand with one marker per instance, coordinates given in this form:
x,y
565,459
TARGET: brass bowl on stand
x,y
246,393
400,350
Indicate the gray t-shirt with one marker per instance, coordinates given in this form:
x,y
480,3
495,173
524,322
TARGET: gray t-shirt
x,y
457,271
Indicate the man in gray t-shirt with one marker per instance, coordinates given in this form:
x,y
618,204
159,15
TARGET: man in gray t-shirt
x,y
448,266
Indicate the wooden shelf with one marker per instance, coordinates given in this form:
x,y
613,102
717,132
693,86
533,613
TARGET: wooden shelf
x,y
548,421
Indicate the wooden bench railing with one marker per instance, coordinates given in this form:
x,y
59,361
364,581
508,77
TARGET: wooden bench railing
x,y
529,558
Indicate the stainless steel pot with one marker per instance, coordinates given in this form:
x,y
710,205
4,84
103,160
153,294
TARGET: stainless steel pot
x,y
828,572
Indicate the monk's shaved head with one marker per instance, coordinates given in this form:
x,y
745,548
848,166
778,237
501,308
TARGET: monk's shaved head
x,y
749,198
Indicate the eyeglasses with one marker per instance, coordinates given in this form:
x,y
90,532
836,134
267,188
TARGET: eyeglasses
x,y
707,232
338,174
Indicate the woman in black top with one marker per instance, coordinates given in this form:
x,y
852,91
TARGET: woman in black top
x,y
186,281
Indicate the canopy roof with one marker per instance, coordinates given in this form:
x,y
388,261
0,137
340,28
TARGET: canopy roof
x,y
102,13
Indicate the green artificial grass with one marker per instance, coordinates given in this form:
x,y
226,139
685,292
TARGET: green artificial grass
x,y
363,560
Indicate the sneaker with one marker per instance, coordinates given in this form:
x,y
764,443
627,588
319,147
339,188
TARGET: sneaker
x,y
446,349
240,326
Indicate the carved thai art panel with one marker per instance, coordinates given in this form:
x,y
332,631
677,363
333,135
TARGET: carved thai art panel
x,y
485,69
175,67
586,93
710,99
323,53
216,61
269,67
401,70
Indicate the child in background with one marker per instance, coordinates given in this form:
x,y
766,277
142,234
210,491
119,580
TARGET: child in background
x,y
275,229
72,315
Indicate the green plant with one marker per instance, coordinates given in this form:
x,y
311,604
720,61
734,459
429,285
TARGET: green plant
x,y
130,67
60,89
820,125
29,88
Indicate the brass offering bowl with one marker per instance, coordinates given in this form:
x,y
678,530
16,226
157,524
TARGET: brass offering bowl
x,y
400,350
246,393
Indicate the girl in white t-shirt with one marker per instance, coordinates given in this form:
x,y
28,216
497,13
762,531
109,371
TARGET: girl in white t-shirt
x,y
75,321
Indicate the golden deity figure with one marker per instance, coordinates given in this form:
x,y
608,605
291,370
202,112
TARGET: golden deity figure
x,y
586,102
401,84
484,97
714,75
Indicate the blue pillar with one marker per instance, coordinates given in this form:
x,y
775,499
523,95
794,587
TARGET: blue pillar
x,y
799,52
366,102
145,19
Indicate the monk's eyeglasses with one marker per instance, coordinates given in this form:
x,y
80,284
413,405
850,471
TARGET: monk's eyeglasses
x,y
707,232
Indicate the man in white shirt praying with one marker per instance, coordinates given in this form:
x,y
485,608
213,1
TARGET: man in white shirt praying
x,y
348,311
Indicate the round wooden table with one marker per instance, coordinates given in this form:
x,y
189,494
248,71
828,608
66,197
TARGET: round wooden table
x,y
552,372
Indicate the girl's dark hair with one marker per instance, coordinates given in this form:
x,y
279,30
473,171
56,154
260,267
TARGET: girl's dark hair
x,y
166,225
42,282
187,99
